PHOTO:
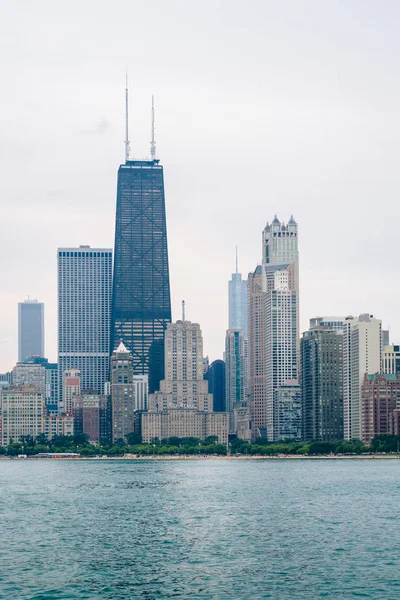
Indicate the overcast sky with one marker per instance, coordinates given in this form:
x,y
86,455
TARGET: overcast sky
x,y
262,107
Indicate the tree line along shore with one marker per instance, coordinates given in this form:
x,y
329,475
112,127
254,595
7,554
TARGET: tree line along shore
x,y
79,446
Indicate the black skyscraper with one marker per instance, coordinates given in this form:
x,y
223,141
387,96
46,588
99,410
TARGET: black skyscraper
x,y
141,304
215,375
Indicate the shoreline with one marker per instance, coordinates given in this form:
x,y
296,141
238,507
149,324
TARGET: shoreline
x,y
201,457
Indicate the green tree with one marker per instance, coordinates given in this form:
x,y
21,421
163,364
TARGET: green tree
x,y
134,438
14,448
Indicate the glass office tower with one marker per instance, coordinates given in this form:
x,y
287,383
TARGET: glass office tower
x,y
141,305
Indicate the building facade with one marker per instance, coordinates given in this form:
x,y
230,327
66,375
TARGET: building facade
x,y
322,383
288,406
141,383
216,378
184,422
184,385
57,425
22,412
336,323
282,346
51,379
30,374
273,324
256,351
84,313
71,388
30,329
391,359
141,308
122,393
235,366
92,416
362,354
380,401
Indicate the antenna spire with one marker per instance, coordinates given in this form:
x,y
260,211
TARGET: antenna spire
x,y
236,260
183,310
127,143
153,141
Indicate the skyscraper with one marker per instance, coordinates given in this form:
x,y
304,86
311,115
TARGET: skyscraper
x,y
184,385
362,354
256,351
141,307
281,350
216,384
234,361
322,382
238,302
183,407
238,314
84,310
280,272
30,329
122,393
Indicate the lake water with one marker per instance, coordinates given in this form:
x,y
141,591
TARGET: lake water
x,y
209,529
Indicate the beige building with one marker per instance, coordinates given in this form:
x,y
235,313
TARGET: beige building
x,y
71,387
362,355
184,423
22,411
183,386
54,426
183,407
391,360
29,374
242,421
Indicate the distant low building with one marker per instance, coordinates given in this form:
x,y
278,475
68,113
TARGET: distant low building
x,y
380,401
242,421
57,425
22,413
92,416
184,423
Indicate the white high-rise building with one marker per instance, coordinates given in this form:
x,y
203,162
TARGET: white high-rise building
x,y
30,329
362,354
282,340
141,384
276,331
84,310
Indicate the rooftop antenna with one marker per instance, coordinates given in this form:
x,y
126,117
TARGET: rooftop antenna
x,y
183,310
153,141
127,143
236,260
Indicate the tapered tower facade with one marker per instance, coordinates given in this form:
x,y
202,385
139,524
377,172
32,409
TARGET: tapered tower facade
x,y
141,304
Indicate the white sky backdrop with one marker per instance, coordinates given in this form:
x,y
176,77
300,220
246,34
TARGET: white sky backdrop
x,y
262,107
